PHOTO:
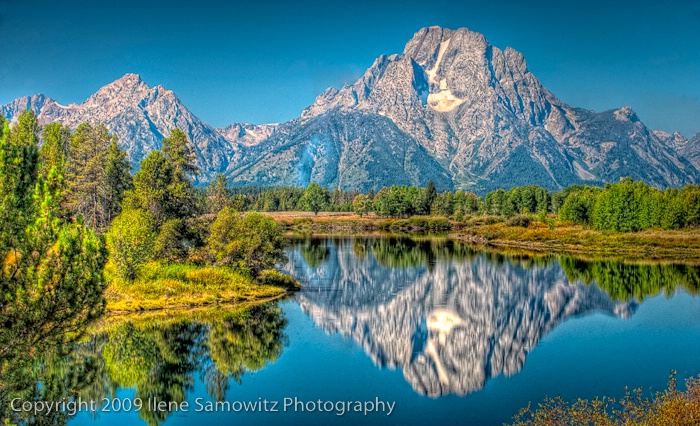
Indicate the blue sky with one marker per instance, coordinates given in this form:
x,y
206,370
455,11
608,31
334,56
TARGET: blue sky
x,y
264,61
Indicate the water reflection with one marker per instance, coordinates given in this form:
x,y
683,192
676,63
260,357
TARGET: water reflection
x,y
451,317
159,357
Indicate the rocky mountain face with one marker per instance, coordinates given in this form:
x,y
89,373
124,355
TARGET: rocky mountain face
x,y
490,123
450,323
451,108
247,134
141,116
339,149
691,150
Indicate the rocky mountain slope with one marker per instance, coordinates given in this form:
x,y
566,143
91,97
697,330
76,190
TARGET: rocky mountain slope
x,y
490,123
247,134
451,108
141,116
450,324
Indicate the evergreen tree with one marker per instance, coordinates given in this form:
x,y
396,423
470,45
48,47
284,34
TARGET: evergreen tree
x,y
117,180
218,194
162,190
51,281
56,148
176,149
89,195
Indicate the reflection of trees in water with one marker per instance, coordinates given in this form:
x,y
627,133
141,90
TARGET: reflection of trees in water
x,y
243,343
315,252
159,360
625,281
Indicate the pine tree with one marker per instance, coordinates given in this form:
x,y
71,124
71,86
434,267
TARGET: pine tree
x,y
55,150
117,180
177,150
218,194
89,194
51,281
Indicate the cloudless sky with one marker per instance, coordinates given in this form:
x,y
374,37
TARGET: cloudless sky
x,y
265,61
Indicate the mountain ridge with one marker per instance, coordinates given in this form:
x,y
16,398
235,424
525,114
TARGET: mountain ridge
x,y
450,108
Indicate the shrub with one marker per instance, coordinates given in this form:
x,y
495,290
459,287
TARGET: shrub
x,y
249,243
519,220
672,407
130,242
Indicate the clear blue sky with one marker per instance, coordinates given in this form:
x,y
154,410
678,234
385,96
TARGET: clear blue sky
x,y
264,61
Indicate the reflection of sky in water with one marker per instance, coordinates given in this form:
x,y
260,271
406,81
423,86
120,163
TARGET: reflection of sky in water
x,y
500,332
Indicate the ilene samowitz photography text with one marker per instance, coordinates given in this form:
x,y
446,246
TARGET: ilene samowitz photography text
x,y
285,405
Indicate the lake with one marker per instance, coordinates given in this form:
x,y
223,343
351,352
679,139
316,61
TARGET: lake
x,y
433,330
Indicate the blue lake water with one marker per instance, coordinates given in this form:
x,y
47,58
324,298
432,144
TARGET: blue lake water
x,y
445,333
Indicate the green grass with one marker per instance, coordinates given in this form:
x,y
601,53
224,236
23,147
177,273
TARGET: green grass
x,y
568,238
162,285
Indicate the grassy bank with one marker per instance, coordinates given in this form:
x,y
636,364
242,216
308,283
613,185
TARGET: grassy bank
x,y
350,222
494,231
169,286
566,238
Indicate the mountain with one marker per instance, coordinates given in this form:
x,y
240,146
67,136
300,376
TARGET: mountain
x,y
338,149
141,116
450,324
247,134
490,123
691,150
450,108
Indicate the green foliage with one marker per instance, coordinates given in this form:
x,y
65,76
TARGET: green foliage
x,y
162,190
170,244
177,150
250,242
97,175
578,207
315,198
361,205
56,148
51,279
131,241
218,195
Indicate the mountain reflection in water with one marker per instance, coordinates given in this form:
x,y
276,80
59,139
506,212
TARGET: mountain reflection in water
x,y
451,317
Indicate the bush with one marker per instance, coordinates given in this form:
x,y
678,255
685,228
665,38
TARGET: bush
x,y
671,407
273,277
130,242
250,243
519,220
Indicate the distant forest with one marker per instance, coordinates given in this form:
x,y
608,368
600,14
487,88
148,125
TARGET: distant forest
x,y
624,206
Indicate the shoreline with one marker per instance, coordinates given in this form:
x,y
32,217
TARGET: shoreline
x,y
562,238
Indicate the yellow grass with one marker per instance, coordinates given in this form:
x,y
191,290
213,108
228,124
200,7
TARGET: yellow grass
x,y
168,286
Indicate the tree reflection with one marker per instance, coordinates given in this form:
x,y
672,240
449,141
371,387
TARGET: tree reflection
x,y
159,359
626,281
315,252
244,343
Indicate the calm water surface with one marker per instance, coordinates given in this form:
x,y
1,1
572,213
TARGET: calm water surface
x,y
448,334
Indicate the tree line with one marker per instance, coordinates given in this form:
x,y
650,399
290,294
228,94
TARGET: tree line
x,y
624,206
